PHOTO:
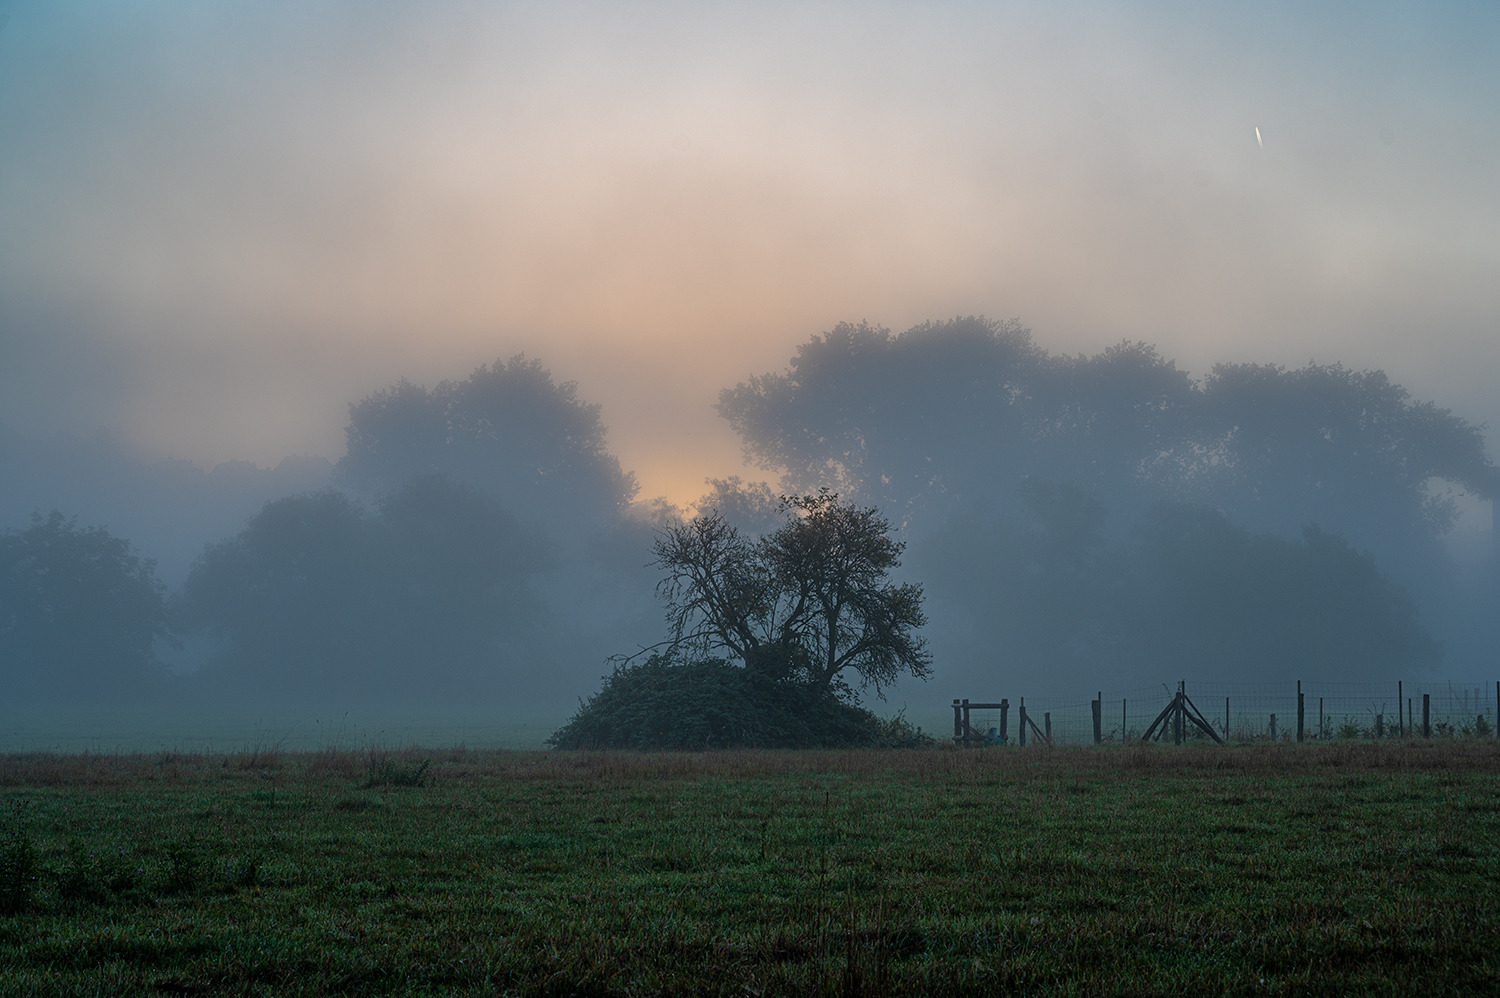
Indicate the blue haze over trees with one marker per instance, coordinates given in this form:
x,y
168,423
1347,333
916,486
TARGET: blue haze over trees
x,y
1093,520
424,597
1077,486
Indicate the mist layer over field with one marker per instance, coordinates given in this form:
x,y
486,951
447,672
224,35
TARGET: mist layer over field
x,y
362,353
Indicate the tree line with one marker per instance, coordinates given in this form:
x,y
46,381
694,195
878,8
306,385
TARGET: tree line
x,y
1069,517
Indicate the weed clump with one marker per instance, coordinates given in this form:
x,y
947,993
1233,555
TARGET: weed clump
x,y
897,732
385,771
243,872
79,880
95,877
18,872
183,865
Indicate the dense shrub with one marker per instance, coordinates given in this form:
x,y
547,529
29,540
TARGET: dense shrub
x,y
898,732
663,704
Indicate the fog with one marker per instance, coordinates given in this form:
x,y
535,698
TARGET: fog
x,y
227,223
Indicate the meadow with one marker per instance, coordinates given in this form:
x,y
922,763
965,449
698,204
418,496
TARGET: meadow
x,y
1257,869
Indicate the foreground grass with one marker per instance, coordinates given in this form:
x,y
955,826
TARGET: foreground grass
x,y
1371,869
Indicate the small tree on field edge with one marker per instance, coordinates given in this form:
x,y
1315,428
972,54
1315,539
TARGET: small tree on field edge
x,y
763,633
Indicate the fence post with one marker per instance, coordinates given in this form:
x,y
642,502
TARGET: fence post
x,y
1099,718
1022,720
1320,717
1125,703
1273,727
1176,728
967,730
1177,714
1226,719
1299,710
1047,725
1400,719
1004,711
1426,715
958,724
1379,725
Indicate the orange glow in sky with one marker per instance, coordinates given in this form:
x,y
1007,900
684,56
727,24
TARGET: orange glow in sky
x,y
226,221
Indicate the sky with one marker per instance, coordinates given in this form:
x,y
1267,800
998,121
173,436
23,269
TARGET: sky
x,y
222,222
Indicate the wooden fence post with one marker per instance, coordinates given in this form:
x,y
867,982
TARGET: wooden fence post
x,y
1426,715
1098,706
958,723
1004,711
1177,722
1023,722
1299,710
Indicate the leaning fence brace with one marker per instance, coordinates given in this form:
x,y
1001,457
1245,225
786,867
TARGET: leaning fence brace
x,y
1178,714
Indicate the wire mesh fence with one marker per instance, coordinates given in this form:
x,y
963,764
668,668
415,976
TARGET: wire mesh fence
x,y
1235,712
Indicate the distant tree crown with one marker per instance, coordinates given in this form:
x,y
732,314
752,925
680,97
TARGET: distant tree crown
x,y
508,429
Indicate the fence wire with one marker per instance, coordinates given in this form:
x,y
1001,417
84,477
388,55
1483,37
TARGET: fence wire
x,y
1250,712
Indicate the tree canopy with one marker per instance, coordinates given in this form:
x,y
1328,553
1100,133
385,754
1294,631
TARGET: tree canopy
x,y
508,430
1045,593
957,414
1349,450
80,613
1209,598
1028,482
811,600
428,595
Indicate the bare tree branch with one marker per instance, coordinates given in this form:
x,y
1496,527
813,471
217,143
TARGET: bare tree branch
x,y
812,599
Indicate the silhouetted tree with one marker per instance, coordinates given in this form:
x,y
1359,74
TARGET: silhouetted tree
x,y
1274,448
508,430
170,508
957,414
1041,587
752,509
807,602
946,423
454,603
428,596
1208,598
1043,593
1104,422
80,613
893,420
289,596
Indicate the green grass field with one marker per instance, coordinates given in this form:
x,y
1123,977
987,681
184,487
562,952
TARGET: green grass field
x,y
1277,869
